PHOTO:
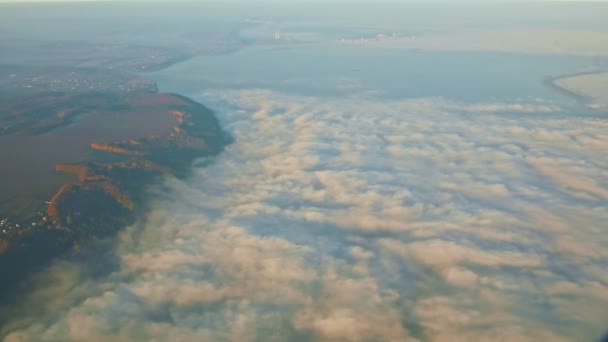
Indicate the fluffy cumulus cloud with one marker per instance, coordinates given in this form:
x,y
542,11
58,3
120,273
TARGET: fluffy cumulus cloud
x,y
358,220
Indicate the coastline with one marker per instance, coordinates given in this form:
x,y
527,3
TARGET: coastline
x,y
582,98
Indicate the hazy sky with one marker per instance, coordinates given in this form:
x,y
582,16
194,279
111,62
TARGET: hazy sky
x,y
497,1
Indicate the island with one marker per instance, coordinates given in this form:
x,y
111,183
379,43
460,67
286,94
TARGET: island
x,y
77,161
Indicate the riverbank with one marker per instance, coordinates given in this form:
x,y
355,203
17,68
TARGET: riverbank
x,y
585,94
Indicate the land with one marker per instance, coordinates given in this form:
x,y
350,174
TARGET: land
x,y
77,162
593,86
23,80
588,88
510,40
106,56
83,132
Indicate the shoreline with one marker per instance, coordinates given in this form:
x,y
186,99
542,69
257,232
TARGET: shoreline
x,y
583,99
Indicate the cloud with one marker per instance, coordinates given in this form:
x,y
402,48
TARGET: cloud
x,y
572,176
356,219
443,254
446,322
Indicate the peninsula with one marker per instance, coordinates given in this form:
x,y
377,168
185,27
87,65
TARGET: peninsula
x,y
76,165
588,88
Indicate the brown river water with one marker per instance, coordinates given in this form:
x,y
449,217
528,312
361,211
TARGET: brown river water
x,y
27,163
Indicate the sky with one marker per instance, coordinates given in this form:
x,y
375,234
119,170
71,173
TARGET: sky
x,y
439,1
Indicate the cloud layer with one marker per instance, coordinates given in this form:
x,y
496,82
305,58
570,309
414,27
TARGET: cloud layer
x,y
355,220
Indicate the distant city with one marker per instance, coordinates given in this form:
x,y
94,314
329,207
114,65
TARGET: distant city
x,y
380,37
